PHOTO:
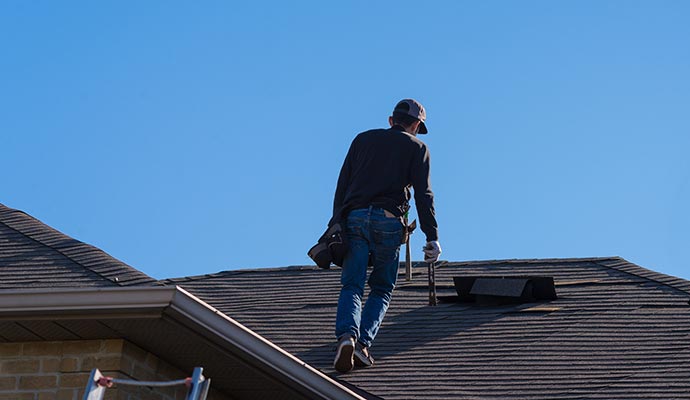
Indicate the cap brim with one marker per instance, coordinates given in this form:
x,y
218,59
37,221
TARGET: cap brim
x,y
422,129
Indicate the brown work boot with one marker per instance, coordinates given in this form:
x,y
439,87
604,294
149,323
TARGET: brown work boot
x,y
344,356
363,357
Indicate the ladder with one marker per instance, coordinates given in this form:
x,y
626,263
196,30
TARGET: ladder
x,y
197,384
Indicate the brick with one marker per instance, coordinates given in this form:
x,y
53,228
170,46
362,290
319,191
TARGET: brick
x,y
170,372
8,383
112,346
167,392
182,395
127,365
74,380
47,396
146,394
17,396
50,365
67,394
21,366
38,382
116,395
69,364
78,347
135,352
143,373
152,361
10,349
109,363
42,349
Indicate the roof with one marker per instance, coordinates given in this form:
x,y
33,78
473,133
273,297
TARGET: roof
x,y
172,323
34,255
53,287
616,331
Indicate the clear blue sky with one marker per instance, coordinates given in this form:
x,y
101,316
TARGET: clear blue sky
x,y
189,138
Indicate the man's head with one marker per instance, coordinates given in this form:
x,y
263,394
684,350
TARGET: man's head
x,y
409,114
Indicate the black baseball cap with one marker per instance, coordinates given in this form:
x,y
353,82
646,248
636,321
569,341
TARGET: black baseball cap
x,y
414,109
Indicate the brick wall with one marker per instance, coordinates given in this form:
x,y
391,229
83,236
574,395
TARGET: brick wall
x,y
60,370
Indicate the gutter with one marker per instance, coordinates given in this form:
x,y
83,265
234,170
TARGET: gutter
x,y
92,303
181,306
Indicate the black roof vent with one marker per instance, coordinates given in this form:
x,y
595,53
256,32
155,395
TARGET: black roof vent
x,y
494,290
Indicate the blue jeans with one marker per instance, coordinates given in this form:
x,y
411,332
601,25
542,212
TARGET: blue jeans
x,y
368,231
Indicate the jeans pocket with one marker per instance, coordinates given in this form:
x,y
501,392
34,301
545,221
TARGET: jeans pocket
x,y
388,238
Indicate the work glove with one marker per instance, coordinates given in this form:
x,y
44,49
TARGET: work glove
x,y
432,250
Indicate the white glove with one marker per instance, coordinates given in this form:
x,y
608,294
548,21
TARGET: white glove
x,y
432,251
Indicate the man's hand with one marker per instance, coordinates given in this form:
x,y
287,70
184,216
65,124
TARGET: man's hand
x,y
432,250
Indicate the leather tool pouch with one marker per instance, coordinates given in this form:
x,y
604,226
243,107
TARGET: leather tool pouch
x,y
331,247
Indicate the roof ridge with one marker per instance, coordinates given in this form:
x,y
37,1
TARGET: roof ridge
x,y
623,265
73,249
440,263
533,260
238,272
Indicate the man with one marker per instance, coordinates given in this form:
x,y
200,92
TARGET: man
x,y
371,199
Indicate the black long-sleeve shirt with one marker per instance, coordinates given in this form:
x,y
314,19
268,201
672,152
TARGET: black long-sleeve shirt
x,y
379,169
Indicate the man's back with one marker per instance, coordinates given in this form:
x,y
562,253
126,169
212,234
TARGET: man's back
x,y
378,170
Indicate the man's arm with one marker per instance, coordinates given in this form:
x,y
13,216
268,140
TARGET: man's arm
x,y
343,182
423,196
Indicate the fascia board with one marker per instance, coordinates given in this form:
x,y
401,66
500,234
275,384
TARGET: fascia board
x,y
92,303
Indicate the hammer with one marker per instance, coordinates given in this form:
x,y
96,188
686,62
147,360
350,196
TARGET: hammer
x,y
432,284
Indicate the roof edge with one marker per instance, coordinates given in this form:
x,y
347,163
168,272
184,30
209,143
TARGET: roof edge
x,y
176,303
78,252
262,349
623,265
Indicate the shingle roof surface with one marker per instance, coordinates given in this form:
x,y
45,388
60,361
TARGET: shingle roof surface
x,y
617,331
34,255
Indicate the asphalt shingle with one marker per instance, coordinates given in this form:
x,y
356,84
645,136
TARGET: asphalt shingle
x,y
616,330
34,255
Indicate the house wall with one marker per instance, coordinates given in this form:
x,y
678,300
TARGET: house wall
x,y
60,370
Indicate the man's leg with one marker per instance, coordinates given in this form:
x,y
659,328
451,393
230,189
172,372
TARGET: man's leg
x,y
386,236
353,276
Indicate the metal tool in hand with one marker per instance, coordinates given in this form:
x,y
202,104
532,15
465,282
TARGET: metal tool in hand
x,y
432,284
408,261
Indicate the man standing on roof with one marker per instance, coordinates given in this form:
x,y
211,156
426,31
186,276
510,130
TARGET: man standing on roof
x,y
371,199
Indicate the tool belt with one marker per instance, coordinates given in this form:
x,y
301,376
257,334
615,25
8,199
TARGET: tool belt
x,y
333,245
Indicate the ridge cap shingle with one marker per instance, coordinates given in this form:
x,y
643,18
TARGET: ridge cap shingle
x,y
415,264
222,274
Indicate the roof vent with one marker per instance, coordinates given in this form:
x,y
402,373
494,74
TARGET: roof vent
x,y
494,290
